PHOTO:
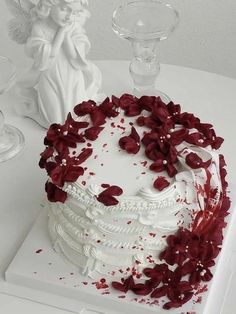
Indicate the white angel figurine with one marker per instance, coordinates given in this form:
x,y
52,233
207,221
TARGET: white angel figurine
x,y
61,75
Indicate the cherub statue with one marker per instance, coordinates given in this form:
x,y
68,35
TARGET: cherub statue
x,y
61,76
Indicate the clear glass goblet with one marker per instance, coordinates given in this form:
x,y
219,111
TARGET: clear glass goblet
x,y
11,139
144,23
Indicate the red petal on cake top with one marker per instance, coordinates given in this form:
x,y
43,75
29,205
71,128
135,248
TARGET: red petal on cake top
x,y
160,111
109,108
113,190
162,164
76,125
141,121
174,109
147,102
65,173
92,133
195,162
129,104
187,119
98,117
84,155
161,183
55,194
84,108
134,135
73,173
177,137
45,155
130,143
63,136
107,200
217,142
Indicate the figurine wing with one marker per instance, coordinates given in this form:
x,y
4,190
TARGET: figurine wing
x,y
20,26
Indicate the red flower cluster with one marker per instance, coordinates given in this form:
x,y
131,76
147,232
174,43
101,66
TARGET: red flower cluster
x,y
192,254
61,137
168,128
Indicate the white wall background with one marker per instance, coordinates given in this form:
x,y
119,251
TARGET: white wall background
x,y
205,38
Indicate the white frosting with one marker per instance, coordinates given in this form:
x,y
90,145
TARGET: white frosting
x,y
108,240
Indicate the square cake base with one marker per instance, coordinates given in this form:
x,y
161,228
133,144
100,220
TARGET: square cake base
x,y
38,273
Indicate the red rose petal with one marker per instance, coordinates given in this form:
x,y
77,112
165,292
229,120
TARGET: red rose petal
x,y
141,289
84,155
54,193
92,133
161,183
134,135
98,117
195,162
113,190
84,108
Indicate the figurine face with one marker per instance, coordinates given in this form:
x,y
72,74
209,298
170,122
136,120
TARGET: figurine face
x,y
65,13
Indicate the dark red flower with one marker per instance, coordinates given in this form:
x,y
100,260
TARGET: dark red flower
x,y
180,247
198,267
92,133
84,108
198,139
107,196
109,108
61,137
178,292
130,143
161,183
196,162
158,142
174,110
179,296
55,194
147,102
130,105
165,162
65,170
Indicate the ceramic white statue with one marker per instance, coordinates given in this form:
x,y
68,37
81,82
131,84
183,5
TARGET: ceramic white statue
x,y
61,75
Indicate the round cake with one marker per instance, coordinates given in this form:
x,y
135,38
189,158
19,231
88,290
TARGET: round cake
x,y
137,195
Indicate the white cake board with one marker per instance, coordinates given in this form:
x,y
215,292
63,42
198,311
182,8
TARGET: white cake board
x,y
46,278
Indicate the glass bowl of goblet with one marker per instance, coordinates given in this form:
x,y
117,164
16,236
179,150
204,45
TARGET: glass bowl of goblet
x,y
145,23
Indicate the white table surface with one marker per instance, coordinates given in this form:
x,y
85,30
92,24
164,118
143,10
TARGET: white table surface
x,y
209,96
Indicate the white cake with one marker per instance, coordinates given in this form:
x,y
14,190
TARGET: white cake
x,y
121,191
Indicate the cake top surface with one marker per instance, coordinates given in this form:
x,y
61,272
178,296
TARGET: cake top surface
x,y
126,142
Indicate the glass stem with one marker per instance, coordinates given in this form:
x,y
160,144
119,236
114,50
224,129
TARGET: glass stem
x,y
145,66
